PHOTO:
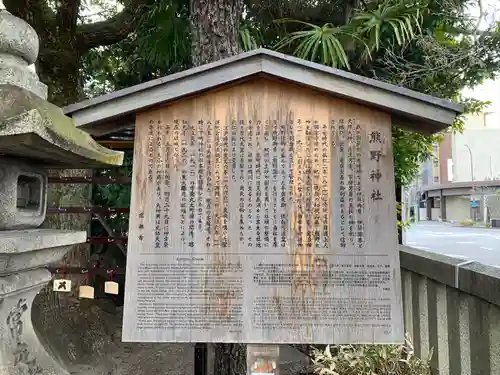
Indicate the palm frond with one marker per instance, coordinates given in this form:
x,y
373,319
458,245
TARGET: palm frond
x,y
164,36
322,44
391,21
250,37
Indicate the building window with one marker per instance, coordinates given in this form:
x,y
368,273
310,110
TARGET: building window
x,y
436,178
435,162
436,203
435,148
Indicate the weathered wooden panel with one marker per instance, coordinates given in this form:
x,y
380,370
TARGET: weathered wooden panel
x,y
263,213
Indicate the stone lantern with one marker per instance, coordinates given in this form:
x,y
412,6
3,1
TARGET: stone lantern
x,y
34,135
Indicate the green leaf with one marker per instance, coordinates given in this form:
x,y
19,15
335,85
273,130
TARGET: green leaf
x,y
320,44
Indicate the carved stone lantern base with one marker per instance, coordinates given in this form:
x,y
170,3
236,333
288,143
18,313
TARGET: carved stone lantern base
x,y
22,254
21,351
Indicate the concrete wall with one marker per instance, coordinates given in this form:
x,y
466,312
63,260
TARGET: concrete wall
x,y
493,204
453,310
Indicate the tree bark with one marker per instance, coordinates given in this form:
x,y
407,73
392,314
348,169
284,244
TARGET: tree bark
x,y
230,359
60,71
215,28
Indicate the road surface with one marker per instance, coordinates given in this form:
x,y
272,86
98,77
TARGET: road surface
x,y
479,244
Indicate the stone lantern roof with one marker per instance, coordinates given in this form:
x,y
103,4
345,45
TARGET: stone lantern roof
x,y
30,126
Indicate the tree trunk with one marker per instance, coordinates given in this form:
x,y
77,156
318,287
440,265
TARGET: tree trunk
x,y
59,69
215,27
230,359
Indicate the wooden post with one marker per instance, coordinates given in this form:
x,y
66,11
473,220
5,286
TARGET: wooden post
x,y
200,359
399,216
262,359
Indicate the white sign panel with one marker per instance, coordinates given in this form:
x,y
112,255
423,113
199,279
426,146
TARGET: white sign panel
x,y
259,229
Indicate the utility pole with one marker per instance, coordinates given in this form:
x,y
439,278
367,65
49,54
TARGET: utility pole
x,y
473,212
416,201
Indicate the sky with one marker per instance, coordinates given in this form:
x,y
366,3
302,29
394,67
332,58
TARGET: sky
x,y
489,90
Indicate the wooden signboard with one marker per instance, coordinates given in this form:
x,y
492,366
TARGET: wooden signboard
x,y
263,213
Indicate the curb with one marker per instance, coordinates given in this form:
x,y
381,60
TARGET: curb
x,y
472,227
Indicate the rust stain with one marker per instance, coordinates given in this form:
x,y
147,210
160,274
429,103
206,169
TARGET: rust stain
x,y
223,303
277,304
309,270
224,296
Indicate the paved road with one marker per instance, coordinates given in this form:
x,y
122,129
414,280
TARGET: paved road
x,y
479,244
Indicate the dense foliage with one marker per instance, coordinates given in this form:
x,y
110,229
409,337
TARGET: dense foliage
x,y
430,46
370,360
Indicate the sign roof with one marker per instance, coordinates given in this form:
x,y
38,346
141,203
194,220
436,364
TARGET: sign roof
x,y
410,109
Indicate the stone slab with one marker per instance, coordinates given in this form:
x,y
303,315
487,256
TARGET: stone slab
x,y
19,47
12,284
15,75
19,241
35,129
477,279
17,37
29,249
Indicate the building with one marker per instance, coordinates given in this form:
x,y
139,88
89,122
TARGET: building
x,y
465,169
